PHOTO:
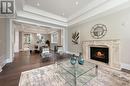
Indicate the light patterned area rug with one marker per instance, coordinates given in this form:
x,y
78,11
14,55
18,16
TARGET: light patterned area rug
x,y
48,76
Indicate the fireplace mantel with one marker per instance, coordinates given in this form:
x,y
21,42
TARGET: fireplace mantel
x,y
114,49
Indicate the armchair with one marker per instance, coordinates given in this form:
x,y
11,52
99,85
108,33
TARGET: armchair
x,y
45,52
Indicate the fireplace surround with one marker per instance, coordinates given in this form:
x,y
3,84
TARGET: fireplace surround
x,y
113,49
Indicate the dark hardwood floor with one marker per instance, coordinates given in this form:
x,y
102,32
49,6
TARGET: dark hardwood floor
x,y
23,61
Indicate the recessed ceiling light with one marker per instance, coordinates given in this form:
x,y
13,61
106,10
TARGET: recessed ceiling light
x,y
76,2
38,4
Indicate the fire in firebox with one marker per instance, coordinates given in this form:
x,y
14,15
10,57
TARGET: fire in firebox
x,y
99,54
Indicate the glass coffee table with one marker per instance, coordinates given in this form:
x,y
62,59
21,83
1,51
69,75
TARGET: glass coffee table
x,y
77,75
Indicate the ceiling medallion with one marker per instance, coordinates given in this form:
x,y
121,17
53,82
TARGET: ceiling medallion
x,y
98,31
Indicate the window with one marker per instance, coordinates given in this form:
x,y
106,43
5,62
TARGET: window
x,y
27,39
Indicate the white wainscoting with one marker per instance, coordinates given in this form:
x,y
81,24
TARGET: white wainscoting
x,y
2,62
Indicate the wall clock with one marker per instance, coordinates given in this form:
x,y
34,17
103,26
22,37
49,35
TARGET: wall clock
x,y
98,31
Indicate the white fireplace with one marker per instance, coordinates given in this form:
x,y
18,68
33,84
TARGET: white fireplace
x,y
112,45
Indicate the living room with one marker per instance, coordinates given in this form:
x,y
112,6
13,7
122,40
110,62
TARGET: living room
x,y
94,36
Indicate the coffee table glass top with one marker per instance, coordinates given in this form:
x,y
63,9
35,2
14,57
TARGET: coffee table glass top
x,y
77,69
77,75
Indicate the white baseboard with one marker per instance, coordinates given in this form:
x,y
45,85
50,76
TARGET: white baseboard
x,y
8,61
3,62
2,66
0,69
125,66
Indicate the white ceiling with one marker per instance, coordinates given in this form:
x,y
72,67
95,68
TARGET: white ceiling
x,y
65,8
50,12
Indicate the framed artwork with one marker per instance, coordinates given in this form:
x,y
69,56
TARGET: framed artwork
x,y
76,37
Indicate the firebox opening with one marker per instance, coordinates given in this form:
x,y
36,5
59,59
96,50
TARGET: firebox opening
x,y
100,54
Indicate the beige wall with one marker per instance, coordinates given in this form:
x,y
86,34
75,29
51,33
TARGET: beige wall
x,y
118,25
2,42
2,37
59,37
20,40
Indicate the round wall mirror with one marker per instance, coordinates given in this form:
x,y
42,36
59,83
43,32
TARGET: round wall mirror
x,y
98,31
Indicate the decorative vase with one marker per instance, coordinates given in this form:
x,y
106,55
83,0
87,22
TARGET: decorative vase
x,y
80,59
73,60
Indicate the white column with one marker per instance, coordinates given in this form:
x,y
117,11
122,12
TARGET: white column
x,y
65,39
9,41
16,42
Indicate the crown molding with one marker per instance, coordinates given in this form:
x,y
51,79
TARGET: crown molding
x,y
35,17
104,8
38,23
36,11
